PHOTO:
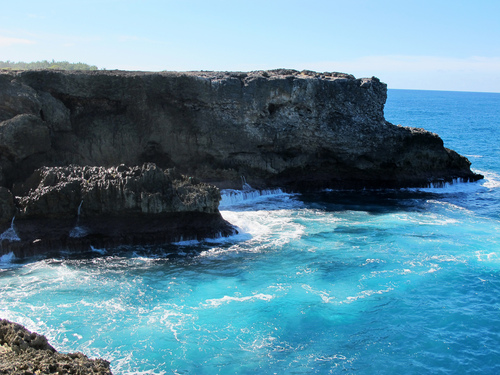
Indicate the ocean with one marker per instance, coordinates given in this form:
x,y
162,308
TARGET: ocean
x,y
357,282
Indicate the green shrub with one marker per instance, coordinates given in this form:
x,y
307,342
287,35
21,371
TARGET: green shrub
x,y
60,65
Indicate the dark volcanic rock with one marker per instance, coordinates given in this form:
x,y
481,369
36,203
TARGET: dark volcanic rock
x,y
296,130
57,192
7,207
78,207
24,352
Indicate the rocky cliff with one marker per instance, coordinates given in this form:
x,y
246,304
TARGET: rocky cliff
x,y
281,128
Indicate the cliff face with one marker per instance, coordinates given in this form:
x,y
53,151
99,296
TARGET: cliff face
x,y
282,128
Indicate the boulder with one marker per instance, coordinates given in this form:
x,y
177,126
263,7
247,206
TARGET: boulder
x,y
25,352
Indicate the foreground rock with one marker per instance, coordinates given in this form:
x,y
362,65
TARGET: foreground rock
x,y
77,208
281,128
23,352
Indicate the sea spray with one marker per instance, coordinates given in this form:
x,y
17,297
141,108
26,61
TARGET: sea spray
x,y
231,197
244,184
10,234
78,231
7,258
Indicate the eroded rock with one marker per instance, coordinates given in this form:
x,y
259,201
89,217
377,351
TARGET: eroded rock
x,y
280,128
23,352
76,208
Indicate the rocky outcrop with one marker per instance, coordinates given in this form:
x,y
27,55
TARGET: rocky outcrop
x,y
60,192
78,207
24,352
281,128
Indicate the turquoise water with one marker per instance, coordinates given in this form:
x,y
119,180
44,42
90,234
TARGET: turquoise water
x,y
364,282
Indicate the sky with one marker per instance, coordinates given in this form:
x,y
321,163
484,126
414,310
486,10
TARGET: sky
x,y
411,44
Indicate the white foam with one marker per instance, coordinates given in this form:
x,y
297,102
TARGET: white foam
x,y
484,256
325,296
218,238
274,228
96,250
232,197
10,234
491,180
249,223
456,186
216,302
365,294
7,258
183,242
174,321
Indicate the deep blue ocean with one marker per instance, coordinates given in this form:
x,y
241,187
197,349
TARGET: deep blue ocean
x,y
366,282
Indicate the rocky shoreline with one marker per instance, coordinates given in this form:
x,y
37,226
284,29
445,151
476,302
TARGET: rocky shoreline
x,y
78,208
67,139
23,352
101,159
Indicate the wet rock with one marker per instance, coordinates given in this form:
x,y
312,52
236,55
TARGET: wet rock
x,y
24,352
77,208
146,190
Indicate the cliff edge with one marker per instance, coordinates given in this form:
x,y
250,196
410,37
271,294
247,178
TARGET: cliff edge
x,y
281,128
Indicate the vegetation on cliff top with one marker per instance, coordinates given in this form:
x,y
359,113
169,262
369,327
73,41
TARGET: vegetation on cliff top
x,y
56,65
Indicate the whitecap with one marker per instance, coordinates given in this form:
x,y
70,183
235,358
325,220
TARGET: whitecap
x,y
216,239
432,270
486,256
365,294
369,261
216,302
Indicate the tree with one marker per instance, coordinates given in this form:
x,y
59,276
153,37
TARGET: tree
x,y
60,65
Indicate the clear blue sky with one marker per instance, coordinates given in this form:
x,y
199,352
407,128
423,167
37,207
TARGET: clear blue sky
x,y
413,44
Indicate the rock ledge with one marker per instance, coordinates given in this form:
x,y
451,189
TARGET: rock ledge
x,y
79,208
